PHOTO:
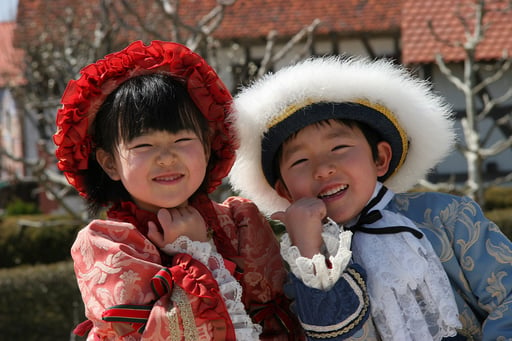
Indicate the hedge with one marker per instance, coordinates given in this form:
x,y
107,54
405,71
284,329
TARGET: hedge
x,y
40,303
36,239
498,198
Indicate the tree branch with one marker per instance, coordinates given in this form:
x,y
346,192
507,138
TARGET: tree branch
x,y
496,148
497,75
449,75
270,58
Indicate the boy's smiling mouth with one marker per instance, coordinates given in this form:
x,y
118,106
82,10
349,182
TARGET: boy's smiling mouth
x,y
332,192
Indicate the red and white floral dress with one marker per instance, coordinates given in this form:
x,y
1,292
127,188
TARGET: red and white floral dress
x,y
229,289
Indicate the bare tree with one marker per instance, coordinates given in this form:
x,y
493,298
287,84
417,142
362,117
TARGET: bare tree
x,y
199,36
56,55
479,102
88,32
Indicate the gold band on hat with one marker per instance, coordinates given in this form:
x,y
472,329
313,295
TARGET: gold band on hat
x,y
291,109
392,118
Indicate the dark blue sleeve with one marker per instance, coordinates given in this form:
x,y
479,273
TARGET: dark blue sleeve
x,y
335,314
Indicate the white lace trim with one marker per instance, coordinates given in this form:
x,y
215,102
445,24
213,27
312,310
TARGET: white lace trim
x,y
231,290
314,272
410,294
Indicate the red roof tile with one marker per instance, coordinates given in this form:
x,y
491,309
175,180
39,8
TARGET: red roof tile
x,y
420,46
255,18
10,57
248,19
36,17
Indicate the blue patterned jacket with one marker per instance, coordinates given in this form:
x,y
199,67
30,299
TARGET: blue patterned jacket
x,y
476,255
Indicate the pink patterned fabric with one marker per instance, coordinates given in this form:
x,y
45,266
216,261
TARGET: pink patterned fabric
x,y
115,262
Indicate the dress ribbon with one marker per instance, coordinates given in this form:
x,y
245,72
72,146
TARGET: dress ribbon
x,y
195,279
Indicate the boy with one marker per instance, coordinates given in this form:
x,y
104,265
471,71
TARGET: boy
x,y
324,146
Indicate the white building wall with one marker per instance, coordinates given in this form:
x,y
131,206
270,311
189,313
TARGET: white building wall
x,y
11,137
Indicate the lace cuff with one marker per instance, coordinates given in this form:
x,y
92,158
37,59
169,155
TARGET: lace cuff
x,y
231,290
315,272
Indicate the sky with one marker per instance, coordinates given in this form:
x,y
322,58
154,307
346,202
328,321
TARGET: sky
x,y
8,10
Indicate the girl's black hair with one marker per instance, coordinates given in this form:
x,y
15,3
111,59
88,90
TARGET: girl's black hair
x,y
152,102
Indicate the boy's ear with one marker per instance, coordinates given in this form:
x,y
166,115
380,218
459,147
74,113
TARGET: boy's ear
x,y
107,162
384,157
281,189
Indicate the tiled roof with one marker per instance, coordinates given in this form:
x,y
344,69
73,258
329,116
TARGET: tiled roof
x,y
10,57
255,18
248,19
420,46
49,17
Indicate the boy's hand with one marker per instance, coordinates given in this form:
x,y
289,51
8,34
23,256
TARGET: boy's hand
x,y
303,222
175,222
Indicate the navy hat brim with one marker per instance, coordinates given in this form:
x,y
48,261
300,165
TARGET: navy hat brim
x,y
277,134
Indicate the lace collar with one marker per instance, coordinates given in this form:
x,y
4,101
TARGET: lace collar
x,y
410,294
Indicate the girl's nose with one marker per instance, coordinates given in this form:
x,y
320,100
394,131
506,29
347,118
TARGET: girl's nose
x,y
166,156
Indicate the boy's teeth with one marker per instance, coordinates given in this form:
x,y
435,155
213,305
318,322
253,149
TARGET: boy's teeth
x,y
333,191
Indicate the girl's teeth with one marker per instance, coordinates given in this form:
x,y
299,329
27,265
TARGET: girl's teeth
x,y
167,178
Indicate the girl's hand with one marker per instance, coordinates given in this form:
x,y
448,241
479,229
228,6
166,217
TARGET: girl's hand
x,y
303,222
175,222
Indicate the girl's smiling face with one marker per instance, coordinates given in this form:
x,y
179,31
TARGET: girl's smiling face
x,y
158,168
333,162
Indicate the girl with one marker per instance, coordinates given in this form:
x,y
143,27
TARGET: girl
x,y
144,132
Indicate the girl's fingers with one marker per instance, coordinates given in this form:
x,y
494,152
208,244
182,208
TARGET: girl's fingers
x,y
164,217
154,235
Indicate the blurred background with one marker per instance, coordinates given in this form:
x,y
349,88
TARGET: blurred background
x,y
462,46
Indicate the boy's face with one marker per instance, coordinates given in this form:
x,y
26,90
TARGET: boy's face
x,y
332,162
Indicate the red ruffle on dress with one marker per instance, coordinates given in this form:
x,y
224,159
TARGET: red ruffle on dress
x,y
118,268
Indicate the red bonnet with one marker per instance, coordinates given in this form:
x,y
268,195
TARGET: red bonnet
x,y
83,97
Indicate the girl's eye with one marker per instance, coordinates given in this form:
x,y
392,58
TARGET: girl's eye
x,y
184,136
184,139
141,145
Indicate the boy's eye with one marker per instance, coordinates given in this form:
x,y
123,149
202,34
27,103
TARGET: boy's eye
x,y
341,146
298,162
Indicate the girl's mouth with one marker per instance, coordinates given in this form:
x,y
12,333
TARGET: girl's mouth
x,y
167,178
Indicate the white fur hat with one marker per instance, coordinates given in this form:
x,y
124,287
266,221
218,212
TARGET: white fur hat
x,y
384,96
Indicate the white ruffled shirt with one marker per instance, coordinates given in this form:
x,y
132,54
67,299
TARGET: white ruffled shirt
x,y
231,290
410,294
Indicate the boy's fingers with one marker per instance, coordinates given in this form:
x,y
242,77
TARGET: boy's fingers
x,y
277,216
